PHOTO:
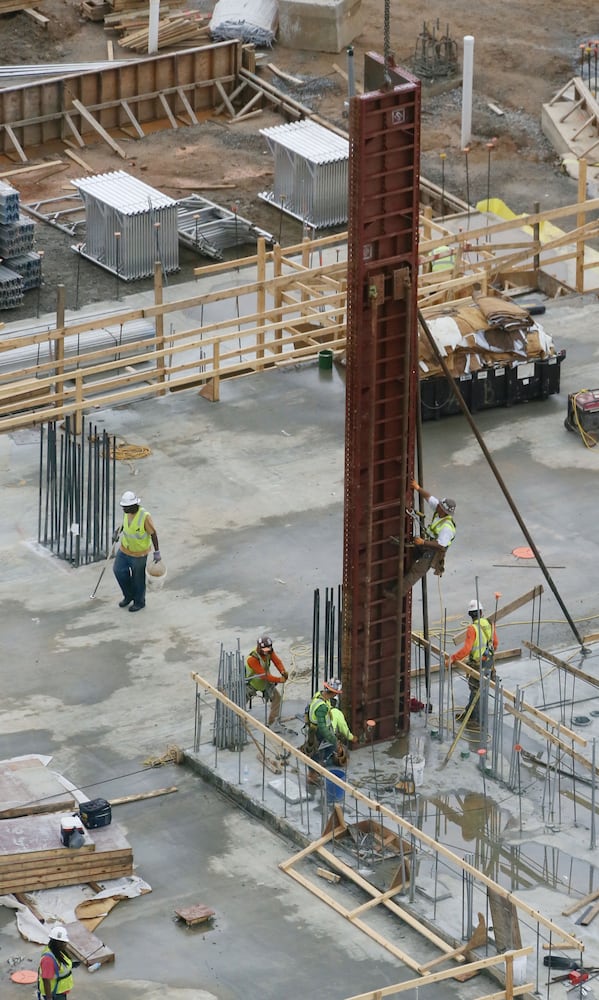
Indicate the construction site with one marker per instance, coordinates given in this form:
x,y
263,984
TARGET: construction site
x,y
265,281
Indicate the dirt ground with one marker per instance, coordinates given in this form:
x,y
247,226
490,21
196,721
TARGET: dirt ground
x,y
514,70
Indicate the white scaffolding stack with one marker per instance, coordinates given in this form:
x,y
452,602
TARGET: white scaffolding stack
x,y
129,225
310,176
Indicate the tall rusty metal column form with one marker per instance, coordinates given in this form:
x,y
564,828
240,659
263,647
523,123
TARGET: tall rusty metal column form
x,y
381,400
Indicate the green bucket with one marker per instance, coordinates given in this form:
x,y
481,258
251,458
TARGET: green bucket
x,y
325,360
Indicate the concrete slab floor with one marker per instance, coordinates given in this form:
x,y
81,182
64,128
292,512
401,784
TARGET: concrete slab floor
x,y
247,496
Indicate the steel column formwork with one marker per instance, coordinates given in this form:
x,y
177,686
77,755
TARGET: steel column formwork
x,y
381,403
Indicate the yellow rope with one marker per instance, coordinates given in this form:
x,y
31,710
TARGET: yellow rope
x,y
124,452
587,439
172,755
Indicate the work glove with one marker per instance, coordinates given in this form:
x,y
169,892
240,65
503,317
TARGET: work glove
x,y
115,537
157,556
285,676
419,541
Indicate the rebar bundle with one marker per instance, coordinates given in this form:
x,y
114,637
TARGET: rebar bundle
x,y
326,636
77,502
436,55
129,225
311,172
229,730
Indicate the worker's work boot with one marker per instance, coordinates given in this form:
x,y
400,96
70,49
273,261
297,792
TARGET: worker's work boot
x,y
125,602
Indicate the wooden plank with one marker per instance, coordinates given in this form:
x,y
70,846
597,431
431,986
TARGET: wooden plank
x,y
590,915
36,16
284,76
507,609
71,124
583,901
327,875
95,124
142,796
140,132
33,167
563,664
183,98
110,49
16,144
77,159
167,110
225,98
86,947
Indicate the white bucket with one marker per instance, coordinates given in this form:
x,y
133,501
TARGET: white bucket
x,y
412,766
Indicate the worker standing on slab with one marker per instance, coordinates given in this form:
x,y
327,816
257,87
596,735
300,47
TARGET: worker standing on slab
x,y
432,547
479,648
323,743
55,973
138,535
260,678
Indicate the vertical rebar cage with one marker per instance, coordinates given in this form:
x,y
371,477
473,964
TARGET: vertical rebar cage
x,y
381,400
129,225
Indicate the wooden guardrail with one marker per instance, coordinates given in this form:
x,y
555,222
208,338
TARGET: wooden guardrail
x,y
280,307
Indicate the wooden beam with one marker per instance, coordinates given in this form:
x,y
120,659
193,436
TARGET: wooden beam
x,y
95,124
33,168
167,110
563,664
36,16
183,98
15,142
139,130
77,159
142,796
71,124
506,609
225,98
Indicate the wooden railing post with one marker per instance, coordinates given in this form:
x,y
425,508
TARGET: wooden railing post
x,y
59,346
277,257
261,295
159,321
580,221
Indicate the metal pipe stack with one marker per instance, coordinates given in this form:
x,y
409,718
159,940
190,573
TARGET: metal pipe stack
x,y
209,229
129,225
311,173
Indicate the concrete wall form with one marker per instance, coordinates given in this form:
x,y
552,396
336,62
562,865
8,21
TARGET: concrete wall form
x,y
39,112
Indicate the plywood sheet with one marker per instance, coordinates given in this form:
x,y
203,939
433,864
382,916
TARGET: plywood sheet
x,y
35,836
27,788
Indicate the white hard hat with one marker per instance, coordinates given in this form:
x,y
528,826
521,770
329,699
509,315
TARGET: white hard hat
x,y
58,933
129,499
475,606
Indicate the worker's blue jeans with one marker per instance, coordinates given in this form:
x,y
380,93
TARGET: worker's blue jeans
x,y
130,572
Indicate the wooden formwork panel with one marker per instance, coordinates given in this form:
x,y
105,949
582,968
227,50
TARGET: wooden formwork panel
x,y
381,402
36,111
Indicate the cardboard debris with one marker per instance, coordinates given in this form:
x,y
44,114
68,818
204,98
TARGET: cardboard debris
x,y
487,333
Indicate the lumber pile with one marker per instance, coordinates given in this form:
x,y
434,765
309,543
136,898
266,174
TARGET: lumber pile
x,y
175,29
32,855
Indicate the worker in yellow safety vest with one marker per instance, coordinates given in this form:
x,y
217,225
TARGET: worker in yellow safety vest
x,y
479,646
443,259
55,973
138,535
